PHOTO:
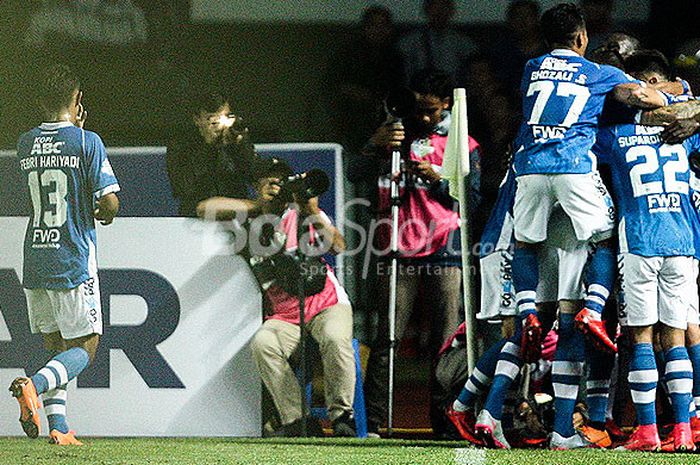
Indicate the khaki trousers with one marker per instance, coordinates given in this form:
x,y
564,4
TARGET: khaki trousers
x,y
277,342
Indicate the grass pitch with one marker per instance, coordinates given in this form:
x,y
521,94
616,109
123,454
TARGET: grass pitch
x,y
225,451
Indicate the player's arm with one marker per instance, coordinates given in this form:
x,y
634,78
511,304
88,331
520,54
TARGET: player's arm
x,y
637,96
669,114
106,208
225,208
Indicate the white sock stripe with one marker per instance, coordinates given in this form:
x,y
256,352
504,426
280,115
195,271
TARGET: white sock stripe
x,y
482,378
50,377
598,383
563,367
697,401
511,348
643,397
643,376
471,387
680,386
691,408
679,365
507,368
596,299
56,409
565,391
56,394
598,289
599,395
61,369
525,295
526,306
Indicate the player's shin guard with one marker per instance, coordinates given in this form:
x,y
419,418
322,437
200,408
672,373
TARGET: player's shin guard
x,y
54,401
600,367
480,379
694,355
600,277
507,369
566,375
61,369
643,379
679,380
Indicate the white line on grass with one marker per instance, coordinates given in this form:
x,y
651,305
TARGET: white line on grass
x,y
469,456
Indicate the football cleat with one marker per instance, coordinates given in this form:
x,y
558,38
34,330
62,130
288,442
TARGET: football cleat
x,y
577,441
531,339
695,428
63,439
490,431
597,438
24,391
645,438
594,329
464,424
680,439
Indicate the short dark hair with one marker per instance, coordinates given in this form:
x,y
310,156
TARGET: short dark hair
x,y
56,87
607,56
648,61
561,23
432,81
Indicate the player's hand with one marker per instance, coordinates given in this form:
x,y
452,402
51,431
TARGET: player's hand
x,y
82,113
269,189
680,130
308,207
424,170
389,135
102,215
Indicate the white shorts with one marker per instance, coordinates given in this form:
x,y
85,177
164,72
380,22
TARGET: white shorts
x,y
74,312
562,259
497,294
657,289
583,197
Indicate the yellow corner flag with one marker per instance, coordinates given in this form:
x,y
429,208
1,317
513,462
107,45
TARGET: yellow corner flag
x,y
455,163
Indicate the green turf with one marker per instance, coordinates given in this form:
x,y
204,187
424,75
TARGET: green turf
x,y
223,451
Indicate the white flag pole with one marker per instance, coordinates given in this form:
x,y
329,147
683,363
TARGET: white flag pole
x,y
460,132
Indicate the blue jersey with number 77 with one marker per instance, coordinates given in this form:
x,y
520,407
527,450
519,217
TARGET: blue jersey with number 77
x,y
66,169
563,96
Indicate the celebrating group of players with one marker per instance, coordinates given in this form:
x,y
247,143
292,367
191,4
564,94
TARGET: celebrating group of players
x,y
554,218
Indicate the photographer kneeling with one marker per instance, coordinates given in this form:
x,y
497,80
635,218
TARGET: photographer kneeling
x,y
328,314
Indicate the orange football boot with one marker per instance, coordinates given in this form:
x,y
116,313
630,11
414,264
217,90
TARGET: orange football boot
x,y
63,439
24,391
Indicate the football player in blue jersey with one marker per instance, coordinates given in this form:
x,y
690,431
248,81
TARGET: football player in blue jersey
x,y
658,268
71,184
563,95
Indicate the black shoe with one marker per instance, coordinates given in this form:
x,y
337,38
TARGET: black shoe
x,y
372,430
344,426
294,429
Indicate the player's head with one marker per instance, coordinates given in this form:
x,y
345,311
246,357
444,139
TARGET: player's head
x,y
607,56
648,65
433,89
563,26
58,91
625,44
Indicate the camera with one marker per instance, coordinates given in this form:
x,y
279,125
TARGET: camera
x,y
305,185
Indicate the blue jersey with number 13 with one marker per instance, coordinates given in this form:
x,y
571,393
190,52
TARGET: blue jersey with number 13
x,y
66,169
563,96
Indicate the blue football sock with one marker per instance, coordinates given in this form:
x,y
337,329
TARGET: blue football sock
x,y
61,369
54,401
643,379
566,374
480,379
600,277
525,277
600,367
507,369
679,381
694,355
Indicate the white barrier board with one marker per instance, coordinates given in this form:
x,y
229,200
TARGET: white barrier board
x,y
207,351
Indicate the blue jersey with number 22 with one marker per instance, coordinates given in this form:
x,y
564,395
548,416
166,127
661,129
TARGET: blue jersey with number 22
x,y
66,169
563,96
